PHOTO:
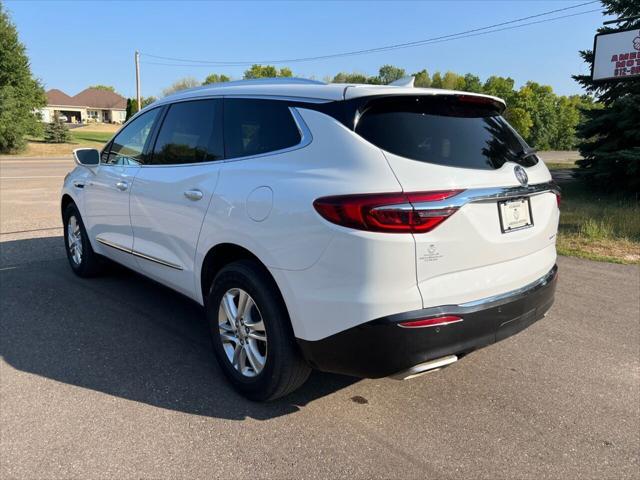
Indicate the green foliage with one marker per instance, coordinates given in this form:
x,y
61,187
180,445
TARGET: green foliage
x,y
389,73
266,71
350,78
610,136
108,88
182,84
56,132
132,105
146,101
216,78
132,108
20,94
422,79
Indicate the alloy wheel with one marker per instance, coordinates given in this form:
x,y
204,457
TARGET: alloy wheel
x,y
74,240
242,332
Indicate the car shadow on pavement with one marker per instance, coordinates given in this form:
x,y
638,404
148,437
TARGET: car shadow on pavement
x,y
120,334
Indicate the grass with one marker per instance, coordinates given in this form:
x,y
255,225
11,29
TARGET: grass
x,y
598,226
560,166
92,135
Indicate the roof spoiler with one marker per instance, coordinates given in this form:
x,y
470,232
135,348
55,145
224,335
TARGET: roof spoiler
x,y
403,82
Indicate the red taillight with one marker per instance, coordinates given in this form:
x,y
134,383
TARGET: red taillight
x,y
558,198
431,322
387,212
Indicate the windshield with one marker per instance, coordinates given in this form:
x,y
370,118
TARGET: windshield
x,y
459,131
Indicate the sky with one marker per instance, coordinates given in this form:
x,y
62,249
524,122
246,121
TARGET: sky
x,y
73,45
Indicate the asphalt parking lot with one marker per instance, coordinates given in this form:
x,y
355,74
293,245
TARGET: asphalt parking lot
x,y
113,378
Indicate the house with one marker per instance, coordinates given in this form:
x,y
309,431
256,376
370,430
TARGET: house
x,y
88,106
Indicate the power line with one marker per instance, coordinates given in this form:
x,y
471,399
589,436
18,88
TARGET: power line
x,y
439,39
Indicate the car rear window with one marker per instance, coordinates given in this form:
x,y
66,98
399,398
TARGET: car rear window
x,y
456,131
254,127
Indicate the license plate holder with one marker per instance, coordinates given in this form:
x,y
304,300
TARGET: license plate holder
x,y
515,214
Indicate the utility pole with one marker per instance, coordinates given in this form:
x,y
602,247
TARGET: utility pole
x,y
138,98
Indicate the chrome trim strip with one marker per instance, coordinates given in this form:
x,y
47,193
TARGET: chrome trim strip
x,y
156,260
484,303
507,297
113,245
138,254
475,195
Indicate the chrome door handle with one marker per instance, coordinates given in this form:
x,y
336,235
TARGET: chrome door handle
x,y
194,195
122,185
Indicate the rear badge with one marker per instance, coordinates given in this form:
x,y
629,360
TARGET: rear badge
x,y
521,175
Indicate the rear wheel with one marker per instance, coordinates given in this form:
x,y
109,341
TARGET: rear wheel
x,y
83,260
251,333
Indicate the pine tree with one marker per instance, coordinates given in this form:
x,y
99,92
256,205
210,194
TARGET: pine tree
x,y
610,136
56,132
20,94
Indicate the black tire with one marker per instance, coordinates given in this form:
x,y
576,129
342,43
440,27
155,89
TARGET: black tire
x,y
90,263
284,369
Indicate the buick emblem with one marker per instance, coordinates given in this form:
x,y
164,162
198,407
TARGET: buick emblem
x,y
521,175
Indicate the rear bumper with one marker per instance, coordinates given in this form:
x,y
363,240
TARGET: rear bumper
x,y
381,347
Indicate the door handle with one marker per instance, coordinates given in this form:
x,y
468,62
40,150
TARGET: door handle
x,y
194,195
122,185
78,184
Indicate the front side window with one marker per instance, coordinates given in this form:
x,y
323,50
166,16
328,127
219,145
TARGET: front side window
x,y
128,146
254,127
190,133
444,130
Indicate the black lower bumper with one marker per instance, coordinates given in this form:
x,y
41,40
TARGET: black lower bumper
x,y
382,347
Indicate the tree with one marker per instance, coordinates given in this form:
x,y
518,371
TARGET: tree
x,y
389,73
472,83
132,108
343,77
610,136
56,132
108,88
266,71
132,105
216,78
182,84
20,94
436,80
450,80
422,79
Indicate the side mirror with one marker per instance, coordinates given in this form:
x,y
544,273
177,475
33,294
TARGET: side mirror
x,y
89,157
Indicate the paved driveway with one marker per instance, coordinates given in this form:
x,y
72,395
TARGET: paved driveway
x,y
113,378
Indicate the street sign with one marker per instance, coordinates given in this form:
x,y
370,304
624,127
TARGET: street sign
x,y
616,55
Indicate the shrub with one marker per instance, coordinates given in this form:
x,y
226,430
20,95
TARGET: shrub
x,y
56,132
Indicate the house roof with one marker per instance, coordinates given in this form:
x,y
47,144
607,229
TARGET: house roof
x,y
90,97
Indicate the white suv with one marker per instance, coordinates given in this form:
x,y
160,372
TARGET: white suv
x,y
365,230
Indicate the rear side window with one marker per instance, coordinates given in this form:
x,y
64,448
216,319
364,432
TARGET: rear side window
x,y
254,127
191,132
443,130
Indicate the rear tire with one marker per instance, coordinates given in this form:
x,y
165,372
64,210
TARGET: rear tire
x,y
83,260
251,333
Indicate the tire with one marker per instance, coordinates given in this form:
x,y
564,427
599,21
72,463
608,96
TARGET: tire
x,y
272,365
87,263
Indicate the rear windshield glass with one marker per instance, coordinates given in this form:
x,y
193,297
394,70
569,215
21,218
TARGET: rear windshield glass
x,y
444,130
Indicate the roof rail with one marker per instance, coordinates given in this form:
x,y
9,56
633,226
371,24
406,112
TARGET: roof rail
x,y
254,81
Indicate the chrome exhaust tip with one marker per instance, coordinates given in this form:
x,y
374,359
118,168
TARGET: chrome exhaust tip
x,y
424,368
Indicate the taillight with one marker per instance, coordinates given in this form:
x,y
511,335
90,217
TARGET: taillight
x,y
387,212
431,322
558,198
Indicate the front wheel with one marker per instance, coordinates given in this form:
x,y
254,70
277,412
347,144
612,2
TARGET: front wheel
x,y
83,260
251,333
